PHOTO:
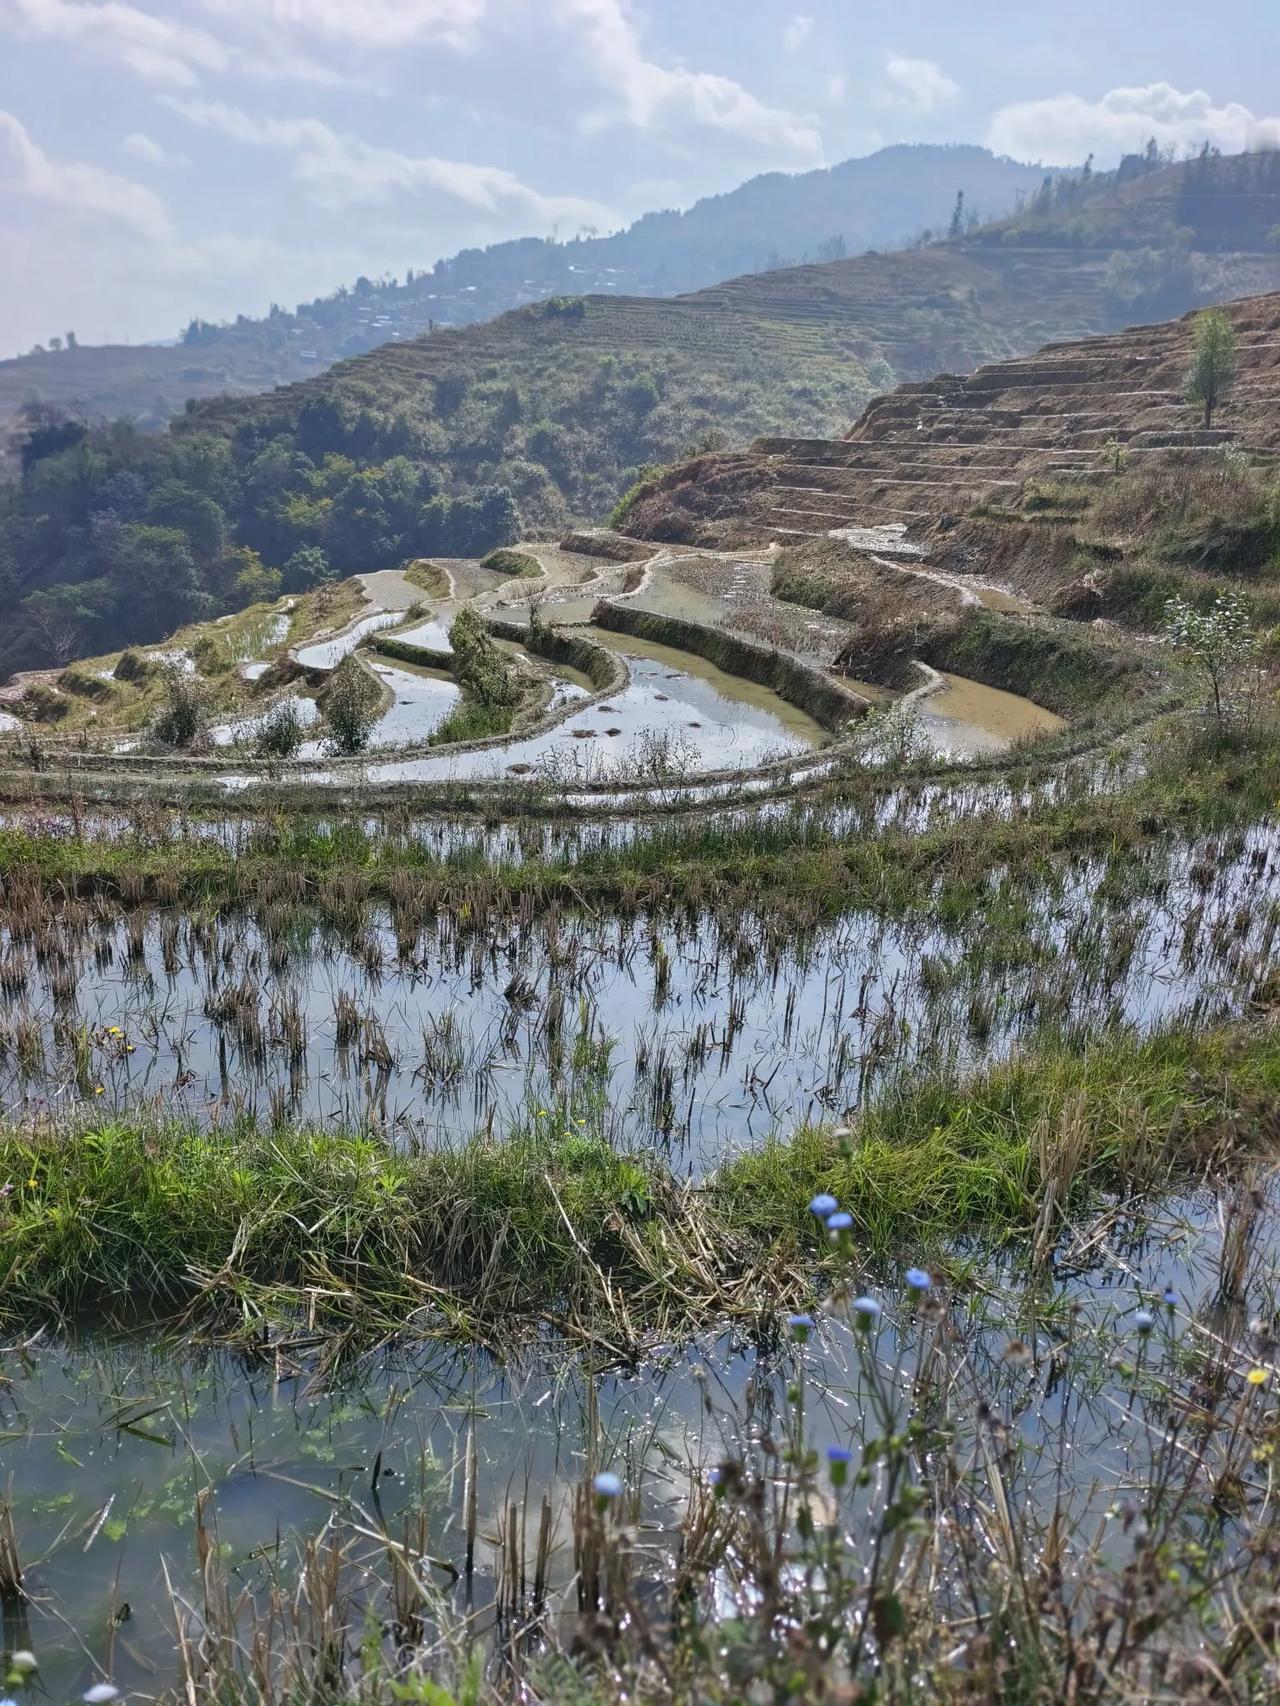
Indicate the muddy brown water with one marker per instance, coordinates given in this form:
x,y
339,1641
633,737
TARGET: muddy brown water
x,y
966,718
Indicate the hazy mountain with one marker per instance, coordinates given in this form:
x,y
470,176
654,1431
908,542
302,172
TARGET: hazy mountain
x,y
878,201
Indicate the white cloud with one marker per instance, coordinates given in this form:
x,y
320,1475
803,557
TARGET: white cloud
x,y
159,49
139,288
796,32
917,85
264,38
1062,130
340,172
145,148
645,94
367,23
145,277
26,171
836,87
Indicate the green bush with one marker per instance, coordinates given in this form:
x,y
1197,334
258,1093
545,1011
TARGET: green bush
x,y
132,666
519,564
211,657
279,734
83,684
482,669
44,704
349,704
182,719
627,502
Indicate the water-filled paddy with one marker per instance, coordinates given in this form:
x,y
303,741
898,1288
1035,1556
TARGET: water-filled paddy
x,y
421,700
965,718
432,636
328,654
246,727
704,1032
678,714
129,1459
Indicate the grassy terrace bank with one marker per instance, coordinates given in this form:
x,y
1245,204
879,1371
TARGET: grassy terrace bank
x,y
1193,783
116,1216
809,688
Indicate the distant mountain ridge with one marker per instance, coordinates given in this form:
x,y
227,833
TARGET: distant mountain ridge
x,y
876,201
879,200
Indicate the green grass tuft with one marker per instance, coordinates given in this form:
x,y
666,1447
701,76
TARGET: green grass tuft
x,y
122,1215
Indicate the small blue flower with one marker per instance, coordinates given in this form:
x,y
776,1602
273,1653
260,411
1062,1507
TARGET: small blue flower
x,y
8,1701
866,1312
823,1205
839,1454
1144,1321
838,1460
801,1326
1170,1297
918,1279
838,1223
607,1485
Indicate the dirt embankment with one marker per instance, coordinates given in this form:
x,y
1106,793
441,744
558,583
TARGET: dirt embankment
x,y
712,502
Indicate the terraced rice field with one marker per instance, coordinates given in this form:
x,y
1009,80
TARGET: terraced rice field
x,y
692,1127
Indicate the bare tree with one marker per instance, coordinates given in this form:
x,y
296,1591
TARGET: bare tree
x,y
58,635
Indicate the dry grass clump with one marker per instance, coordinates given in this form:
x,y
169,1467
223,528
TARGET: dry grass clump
x,y
1219,513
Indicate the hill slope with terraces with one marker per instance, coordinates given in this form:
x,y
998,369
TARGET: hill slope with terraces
x,y
457,442
579,394
931,452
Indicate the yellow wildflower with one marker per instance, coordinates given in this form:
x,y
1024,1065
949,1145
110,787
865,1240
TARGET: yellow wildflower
x,y
1257,1376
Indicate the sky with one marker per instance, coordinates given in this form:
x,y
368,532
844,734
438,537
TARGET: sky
x,y
161,159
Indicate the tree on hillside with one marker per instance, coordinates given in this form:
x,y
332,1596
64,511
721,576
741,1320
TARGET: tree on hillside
x,y
307,567
1218,643
173,505
1213,366
43,430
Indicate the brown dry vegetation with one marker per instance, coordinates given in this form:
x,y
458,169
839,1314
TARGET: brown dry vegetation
x,y
1078,477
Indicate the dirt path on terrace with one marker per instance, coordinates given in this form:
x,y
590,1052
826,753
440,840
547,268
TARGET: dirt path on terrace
x,y
391,589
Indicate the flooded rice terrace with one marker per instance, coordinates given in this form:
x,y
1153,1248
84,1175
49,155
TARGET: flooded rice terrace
x,y
676,714
170,1498
698,1032
328,654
